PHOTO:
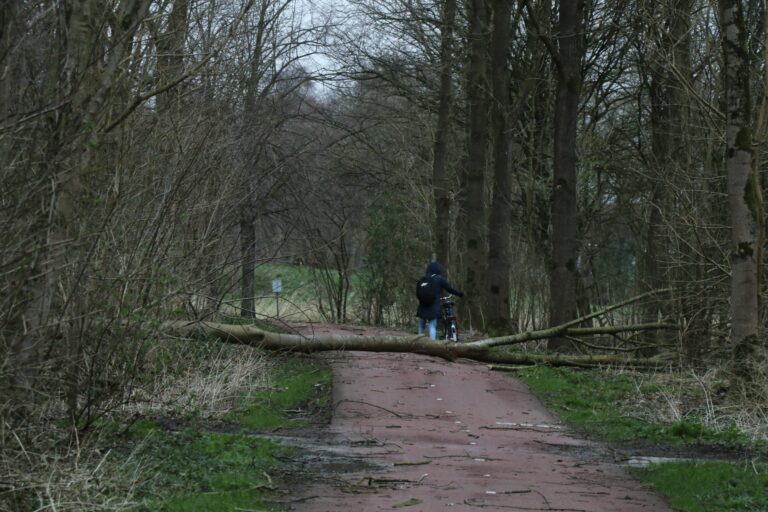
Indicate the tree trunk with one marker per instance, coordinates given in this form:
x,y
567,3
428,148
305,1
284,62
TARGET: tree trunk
x,y
8,12
440,182
563,273
669,135
248,255
473,199
744,197
170,56
84,74
251,153
481,350
497,288
478,350
661,128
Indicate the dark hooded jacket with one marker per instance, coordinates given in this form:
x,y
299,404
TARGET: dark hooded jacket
x,y
432,311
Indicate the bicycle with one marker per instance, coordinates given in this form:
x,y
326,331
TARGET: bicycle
x,y
450,323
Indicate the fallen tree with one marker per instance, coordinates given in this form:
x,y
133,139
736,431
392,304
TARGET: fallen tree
x,y
482,350
485,350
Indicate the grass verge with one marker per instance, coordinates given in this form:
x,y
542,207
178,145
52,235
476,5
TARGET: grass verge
x,y
608,406
299,396
197,470
602,403
710,486
202,464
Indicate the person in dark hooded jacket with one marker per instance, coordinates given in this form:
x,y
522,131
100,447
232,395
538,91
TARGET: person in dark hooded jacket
x,y
429,313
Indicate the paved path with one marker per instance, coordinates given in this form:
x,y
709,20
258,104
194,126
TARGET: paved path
x,y
456,436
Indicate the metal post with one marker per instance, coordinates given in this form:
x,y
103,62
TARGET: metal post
x,y
277,288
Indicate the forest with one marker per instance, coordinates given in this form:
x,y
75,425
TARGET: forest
x,y
158,156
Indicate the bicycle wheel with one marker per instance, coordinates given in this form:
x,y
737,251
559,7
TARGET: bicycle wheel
x,y
453,331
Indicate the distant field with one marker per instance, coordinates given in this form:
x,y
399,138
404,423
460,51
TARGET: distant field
x,y
300,299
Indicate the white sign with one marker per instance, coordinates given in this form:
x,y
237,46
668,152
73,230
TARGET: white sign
x,y
277,286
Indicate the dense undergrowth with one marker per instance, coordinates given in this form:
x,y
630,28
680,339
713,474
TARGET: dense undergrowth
x,y
721,449
222,463
188,439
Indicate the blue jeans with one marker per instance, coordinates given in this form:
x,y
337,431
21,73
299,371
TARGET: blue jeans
x,y
432,327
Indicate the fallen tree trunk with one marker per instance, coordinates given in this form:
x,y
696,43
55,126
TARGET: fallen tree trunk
x,y
249,335
482,350
479,350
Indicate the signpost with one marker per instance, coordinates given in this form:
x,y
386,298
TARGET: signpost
x,y
277,289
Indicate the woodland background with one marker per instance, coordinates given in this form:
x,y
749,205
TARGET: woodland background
x,y
556,157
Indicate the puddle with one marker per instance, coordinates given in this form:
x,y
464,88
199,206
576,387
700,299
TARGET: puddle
x,y
582,452
325,454
332,464
644,462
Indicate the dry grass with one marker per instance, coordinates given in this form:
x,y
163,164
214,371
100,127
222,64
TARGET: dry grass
x,y
45,466
698,396
58,472
208,386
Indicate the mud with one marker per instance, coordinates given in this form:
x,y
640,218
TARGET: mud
x,y
421,434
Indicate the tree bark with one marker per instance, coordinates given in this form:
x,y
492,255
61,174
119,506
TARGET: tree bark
x,y
497,287
669,133
248,206
478,350
170,56
440,182
8,12
248,254
563,273
744,196
473,197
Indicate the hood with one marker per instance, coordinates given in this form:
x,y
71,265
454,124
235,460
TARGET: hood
x,y
434,268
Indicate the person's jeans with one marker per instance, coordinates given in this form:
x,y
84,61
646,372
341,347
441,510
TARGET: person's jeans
x,y
432,327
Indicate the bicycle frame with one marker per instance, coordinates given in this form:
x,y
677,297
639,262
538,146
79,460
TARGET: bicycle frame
x,y
450,322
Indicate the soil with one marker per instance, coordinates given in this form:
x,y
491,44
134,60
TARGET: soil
x,y
422,434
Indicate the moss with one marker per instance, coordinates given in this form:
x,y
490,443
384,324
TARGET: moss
x,y
743,250
753,198
498,326
744,139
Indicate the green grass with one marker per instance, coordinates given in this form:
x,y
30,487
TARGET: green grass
x,y
585,400
710,486
299,297
208,471
143,428
197,470
303,290
298,301
301,386
590,401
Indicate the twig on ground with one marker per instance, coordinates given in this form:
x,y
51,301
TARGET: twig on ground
x,y
368,403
